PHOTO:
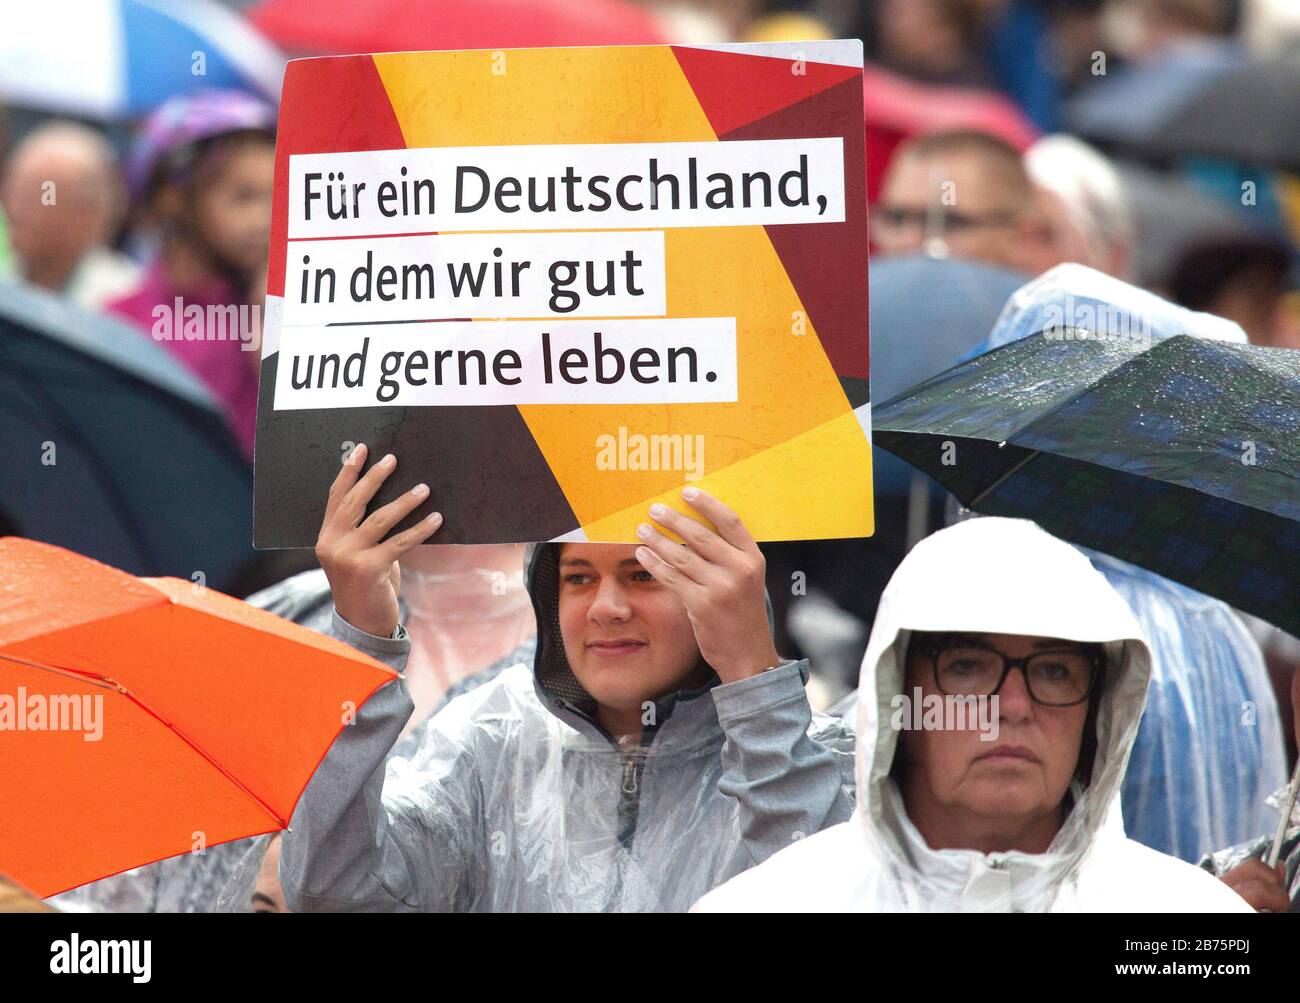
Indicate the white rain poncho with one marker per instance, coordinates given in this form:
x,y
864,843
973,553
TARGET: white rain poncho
x,y
516,800
1003,576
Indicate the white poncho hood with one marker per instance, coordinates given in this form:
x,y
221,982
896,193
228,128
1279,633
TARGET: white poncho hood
x,y
995,576
988,576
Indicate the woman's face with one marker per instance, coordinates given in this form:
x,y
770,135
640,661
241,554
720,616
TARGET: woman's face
x,y
232,203
1021,774
628,639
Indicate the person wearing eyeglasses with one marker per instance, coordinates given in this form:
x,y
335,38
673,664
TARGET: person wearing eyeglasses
x,y
1002,794
964,194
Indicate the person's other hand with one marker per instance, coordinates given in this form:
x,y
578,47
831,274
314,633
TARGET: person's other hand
x,y
1263,887
720,579
362,571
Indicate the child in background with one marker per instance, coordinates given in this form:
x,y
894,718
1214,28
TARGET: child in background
x,y
202,171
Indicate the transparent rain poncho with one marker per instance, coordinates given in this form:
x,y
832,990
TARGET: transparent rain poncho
x,y
516,800
1081,299
1210,746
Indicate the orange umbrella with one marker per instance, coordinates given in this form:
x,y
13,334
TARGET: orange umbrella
x,y
141,718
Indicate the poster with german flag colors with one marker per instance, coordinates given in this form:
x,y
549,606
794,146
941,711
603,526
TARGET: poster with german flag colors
x,y
563,284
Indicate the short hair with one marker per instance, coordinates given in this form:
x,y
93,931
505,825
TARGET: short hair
x,y
1086,181
1208,266
1001,157
87,145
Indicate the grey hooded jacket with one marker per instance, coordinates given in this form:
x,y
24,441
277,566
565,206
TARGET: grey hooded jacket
x,y
517,800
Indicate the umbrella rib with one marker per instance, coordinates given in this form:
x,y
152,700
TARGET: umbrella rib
x,y
94,678
1010,471
99,679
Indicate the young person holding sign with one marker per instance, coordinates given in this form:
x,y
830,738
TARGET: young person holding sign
x,y
657,746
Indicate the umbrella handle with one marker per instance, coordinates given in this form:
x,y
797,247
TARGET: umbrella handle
x,y
1287,805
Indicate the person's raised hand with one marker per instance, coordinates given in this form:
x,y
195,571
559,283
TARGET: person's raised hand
x,y
360,564
720,579
1260,885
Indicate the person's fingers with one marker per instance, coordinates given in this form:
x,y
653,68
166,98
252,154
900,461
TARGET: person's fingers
x,y
1264,896
666,574
730,528
343,481
352,509
1263,887
680,558
699,537
1256,870
381,520
409,539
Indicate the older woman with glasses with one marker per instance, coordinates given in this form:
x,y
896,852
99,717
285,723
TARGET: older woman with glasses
x,y
996,615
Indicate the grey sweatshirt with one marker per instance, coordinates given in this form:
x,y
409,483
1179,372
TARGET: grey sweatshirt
x,y
516,800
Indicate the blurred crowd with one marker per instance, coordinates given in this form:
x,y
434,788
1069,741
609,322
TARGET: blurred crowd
x,y
1012,134
1018,133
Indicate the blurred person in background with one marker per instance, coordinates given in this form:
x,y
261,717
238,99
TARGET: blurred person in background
x,y
1245,280
784,25
201,171
701,22
936,41
63,198
965,194
1077,31
1091,218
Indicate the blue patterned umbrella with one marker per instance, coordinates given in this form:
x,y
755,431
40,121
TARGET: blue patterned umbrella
x,y
112,59
1182,457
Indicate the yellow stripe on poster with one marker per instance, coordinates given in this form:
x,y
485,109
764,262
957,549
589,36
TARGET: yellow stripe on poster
x,y
786,383
624,94
815,486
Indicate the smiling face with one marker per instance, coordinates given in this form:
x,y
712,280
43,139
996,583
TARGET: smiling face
x,y
627,638
1018,779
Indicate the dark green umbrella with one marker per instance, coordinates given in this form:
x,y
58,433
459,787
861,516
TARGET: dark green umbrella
x,y
1182,457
